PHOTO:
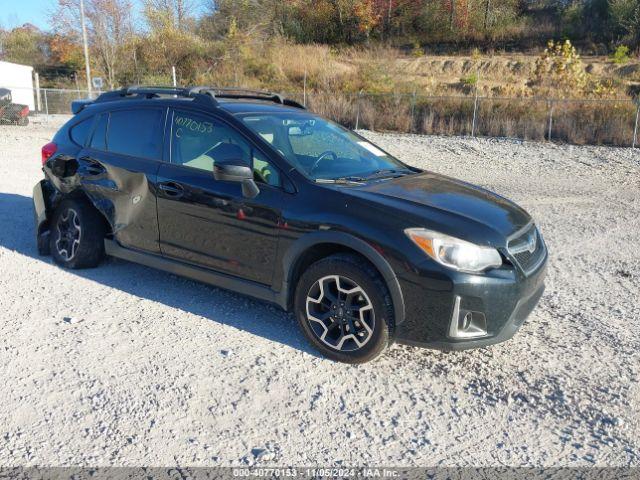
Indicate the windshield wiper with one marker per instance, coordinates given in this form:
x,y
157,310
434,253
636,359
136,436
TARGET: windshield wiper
x,y
378,174
341,180
387,173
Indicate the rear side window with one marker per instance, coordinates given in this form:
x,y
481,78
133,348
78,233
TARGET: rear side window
x,y
137,133
99,139
80,131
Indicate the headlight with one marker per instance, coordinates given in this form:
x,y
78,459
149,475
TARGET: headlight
x,y
453,252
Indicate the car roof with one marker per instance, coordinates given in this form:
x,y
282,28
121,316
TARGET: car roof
x,y
231,106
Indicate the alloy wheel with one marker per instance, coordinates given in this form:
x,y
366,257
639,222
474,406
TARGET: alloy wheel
x,y
69,233
340,313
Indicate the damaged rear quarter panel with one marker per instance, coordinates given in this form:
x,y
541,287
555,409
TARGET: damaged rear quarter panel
x,y
121,188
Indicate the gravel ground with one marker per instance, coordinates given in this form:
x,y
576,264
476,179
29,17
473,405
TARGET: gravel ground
x,y
123,365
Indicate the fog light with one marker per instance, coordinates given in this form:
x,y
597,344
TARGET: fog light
x,y
467,323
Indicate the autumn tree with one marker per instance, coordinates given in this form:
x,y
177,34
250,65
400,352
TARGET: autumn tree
x,y
263,18
25,45
180,14
109,27
169,43
65,50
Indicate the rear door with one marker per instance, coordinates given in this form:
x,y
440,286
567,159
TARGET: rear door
x,y
208,222
118,169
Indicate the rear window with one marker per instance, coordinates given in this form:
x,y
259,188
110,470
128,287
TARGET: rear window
x,y
80,131
137,133
99,139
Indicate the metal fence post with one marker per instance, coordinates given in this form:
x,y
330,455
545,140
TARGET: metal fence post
x,y
358,110
413,112
635,128
550,120
475,115
38,100
46,104
304,89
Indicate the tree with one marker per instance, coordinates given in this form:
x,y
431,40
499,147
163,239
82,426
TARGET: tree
x,y
366,17
625,16
25,45
170,43
109,27
560,68
64,50
179,13
256,17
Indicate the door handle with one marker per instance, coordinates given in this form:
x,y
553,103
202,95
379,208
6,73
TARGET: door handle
x,y
171,189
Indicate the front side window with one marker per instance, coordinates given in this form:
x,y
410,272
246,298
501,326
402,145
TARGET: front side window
x,y
321,149
197,141
137,133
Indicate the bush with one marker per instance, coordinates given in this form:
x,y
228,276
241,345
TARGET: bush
x,y
560,68
621,55
470,79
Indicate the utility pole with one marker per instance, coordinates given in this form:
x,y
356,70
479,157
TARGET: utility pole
x,y
86,48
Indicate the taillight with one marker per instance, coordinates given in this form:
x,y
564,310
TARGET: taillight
x,y
24,112
47,151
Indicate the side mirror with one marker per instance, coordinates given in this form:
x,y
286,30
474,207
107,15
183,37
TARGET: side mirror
x,y
231,171
236,171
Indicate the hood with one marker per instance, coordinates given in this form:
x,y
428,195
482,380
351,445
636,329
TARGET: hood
x,y
449,196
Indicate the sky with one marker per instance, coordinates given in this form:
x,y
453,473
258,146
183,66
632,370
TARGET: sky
x,y
14,13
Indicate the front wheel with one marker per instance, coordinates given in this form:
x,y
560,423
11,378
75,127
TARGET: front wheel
x,y
344,308
77,235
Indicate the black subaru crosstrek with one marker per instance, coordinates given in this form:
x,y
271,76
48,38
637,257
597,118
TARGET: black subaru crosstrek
x,y
250,192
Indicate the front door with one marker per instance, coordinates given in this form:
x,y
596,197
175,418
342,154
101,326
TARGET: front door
x,y
208,222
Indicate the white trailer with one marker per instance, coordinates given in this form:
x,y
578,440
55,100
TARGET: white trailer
x,y
18,79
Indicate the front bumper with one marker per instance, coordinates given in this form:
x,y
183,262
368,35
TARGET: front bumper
x,y
432,296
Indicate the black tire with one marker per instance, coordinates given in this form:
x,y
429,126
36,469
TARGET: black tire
x,y
84,246
23,121
353,272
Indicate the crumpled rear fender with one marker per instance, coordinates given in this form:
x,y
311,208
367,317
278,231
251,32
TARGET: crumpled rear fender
x,y
124,196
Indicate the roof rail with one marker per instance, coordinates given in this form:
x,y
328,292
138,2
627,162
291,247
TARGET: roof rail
x,y
201,93
238,92
144,91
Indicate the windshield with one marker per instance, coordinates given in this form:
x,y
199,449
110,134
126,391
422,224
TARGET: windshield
x,y
323,150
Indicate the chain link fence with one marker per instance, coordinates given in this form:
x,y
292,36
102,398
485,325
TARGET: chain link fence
x,y
597,122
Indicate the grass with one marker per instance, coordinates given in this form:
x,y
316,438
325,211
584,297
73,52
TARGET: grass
x,y
578,122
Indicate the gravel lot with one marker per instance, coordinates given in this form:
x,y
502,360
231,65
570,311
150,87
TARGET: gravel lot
x,y
123,365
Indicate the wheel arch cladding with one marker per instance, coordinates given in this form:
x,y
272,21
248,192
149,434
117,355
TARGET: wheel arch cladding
x,y
315,246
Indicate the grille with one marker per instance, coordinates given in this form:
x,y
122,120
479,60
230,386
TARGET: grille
x,y
520,248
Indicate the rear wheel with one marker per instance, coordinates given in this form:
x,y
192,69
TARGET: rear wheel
x,y
344,308
77,235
